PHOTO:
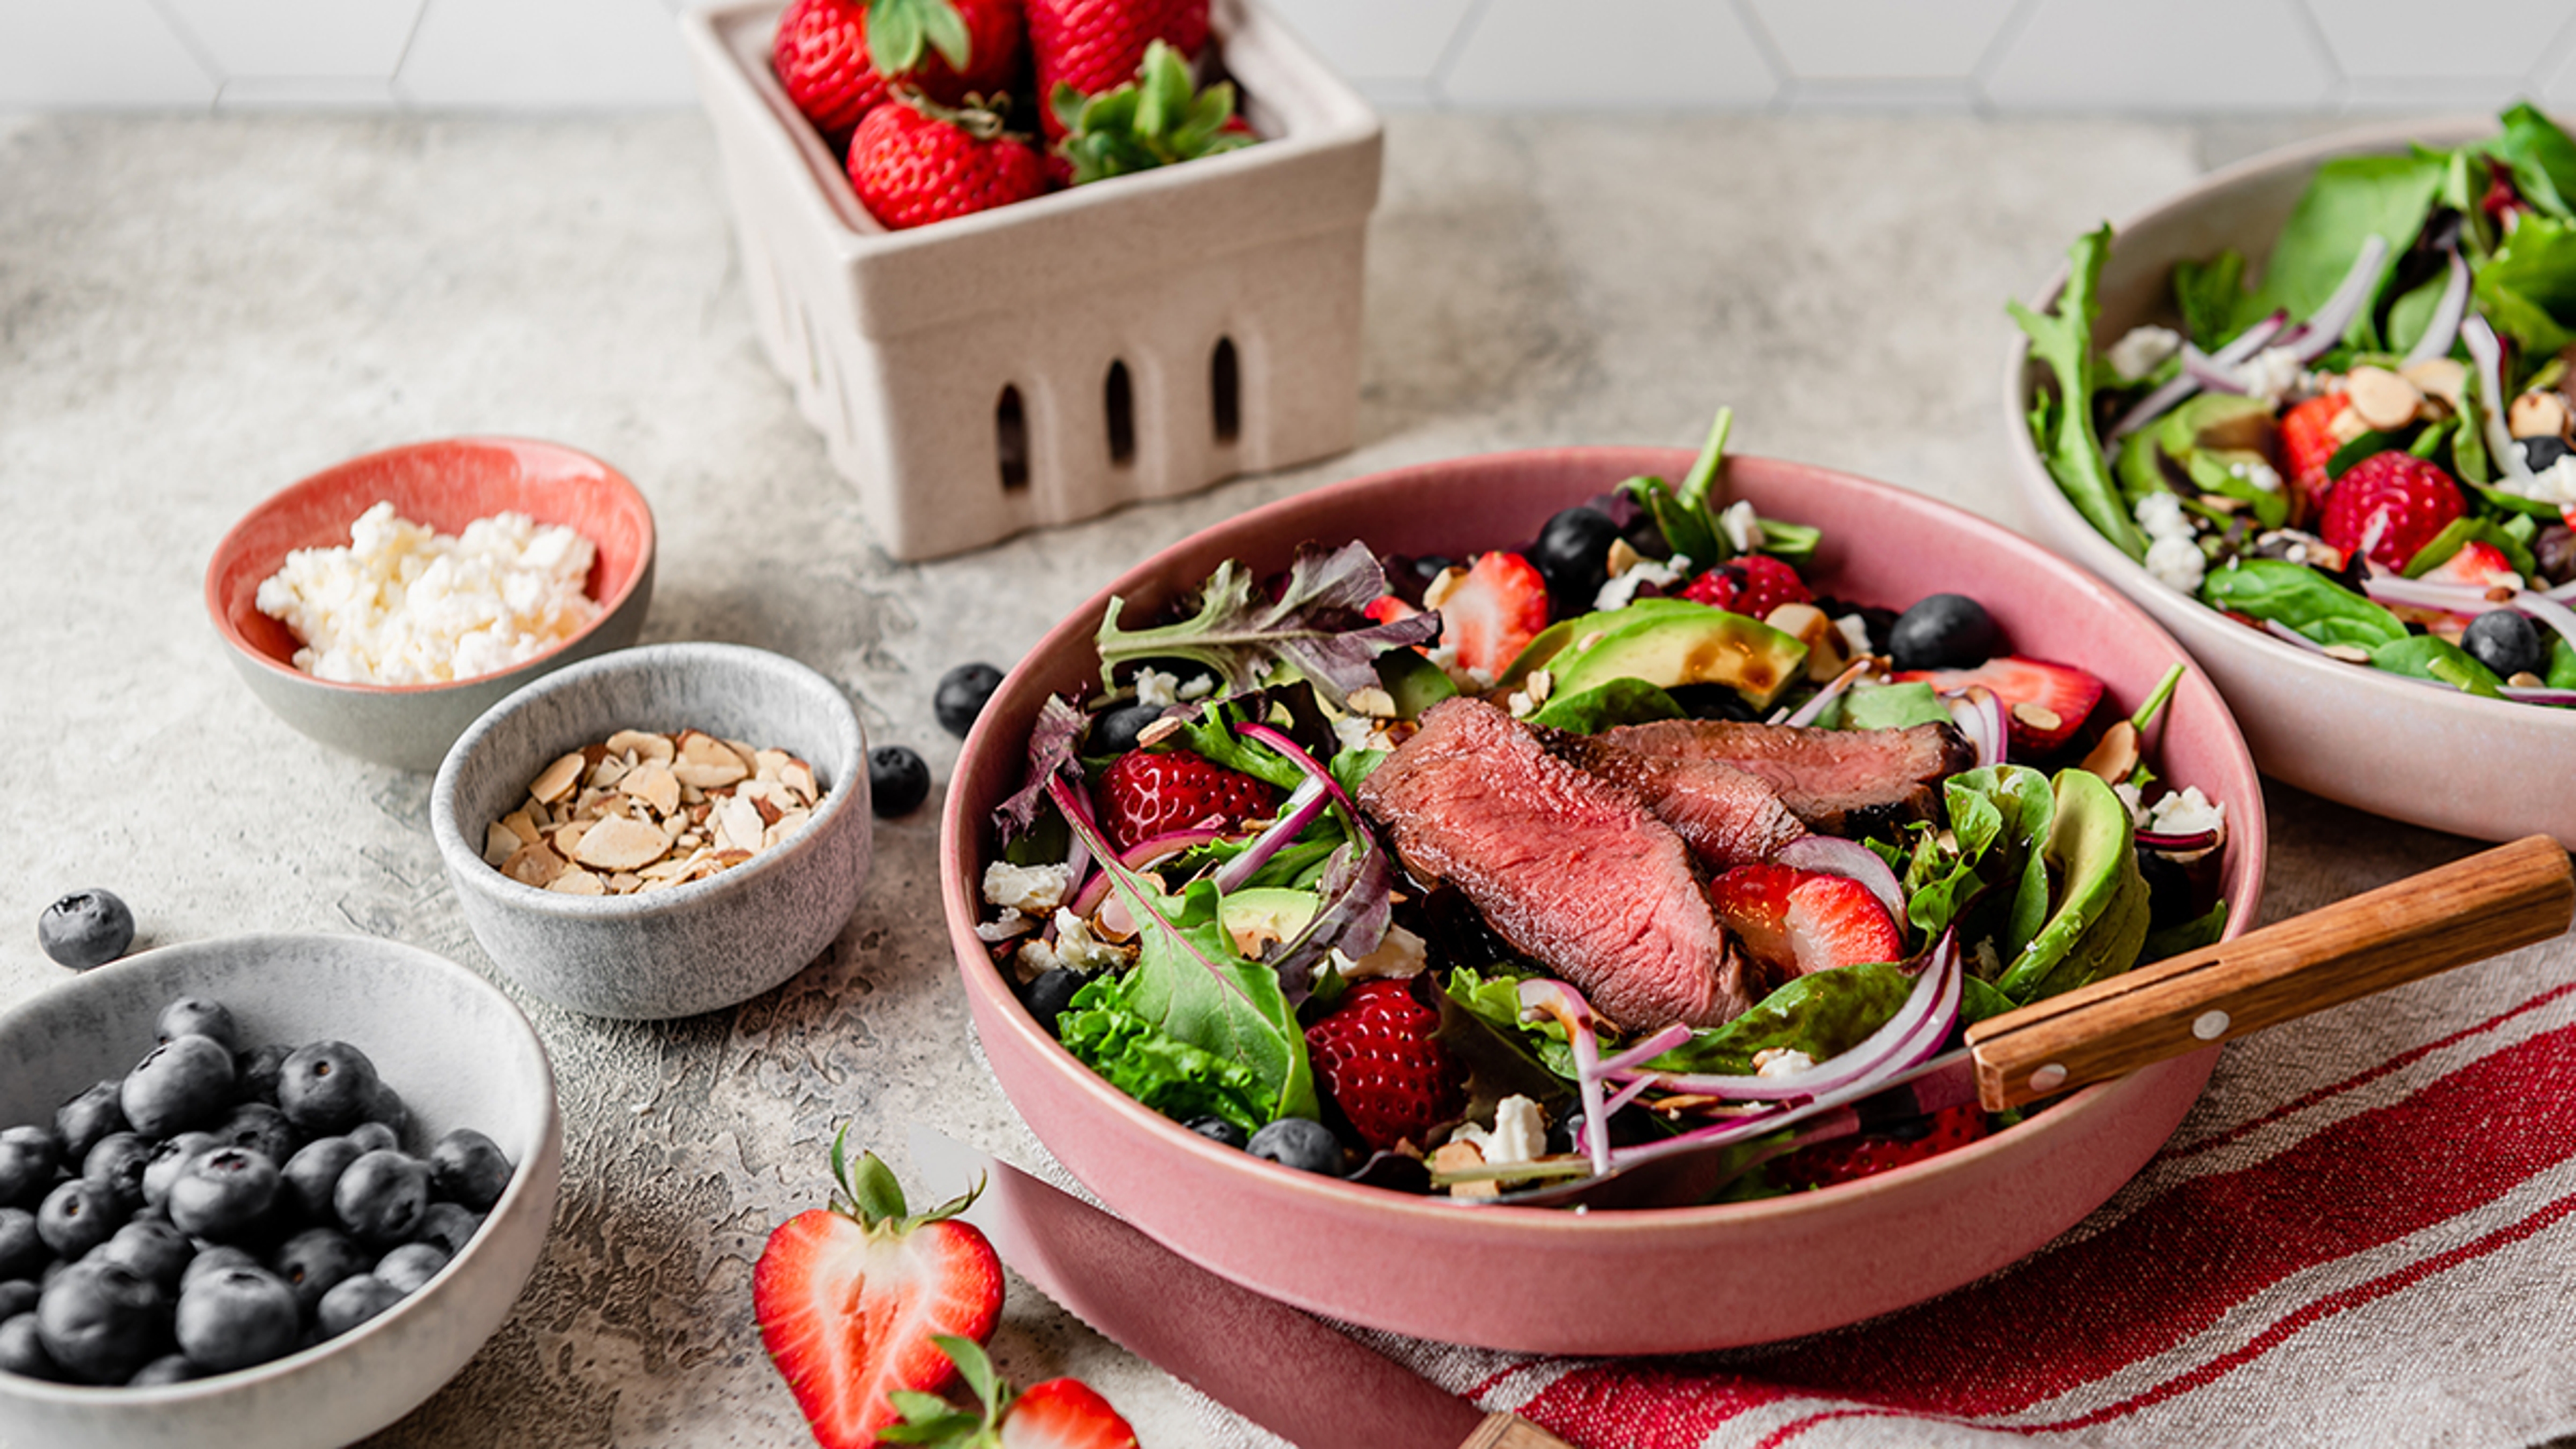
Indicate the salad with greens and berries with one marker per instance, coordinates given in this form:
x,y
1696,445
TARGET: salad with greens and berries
x,y
1474,875
2366,452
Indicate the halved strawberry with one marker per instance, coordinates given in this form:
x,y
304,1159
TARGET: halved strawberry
x,y
2308,443
1753,902
1753,586
851,1297
1057,1414
2478,564
1386,609
1828,1163
1803,921
1145,793
1493,613
2046,702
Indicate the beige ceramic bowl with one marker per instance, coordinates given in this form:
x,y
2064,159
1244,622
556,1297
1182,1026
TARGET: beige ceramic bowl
x,y
1666,1280
2484,768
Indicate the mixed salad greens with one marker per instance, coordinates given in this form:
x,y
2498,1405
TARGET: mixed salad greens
x,y
1213,895
2366,452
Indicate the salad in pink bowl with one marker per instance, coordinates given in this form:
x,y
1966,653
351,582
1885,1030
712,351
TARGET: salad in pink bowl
x,y
1442,878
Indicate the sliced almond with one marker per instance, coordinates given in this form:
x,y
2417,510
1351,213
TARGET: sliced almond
x,y
788,824
2037,716
618,843
607,772
730,857
2115,759
2382,398
769,812
2440,377
644,746
1157,731
2343,427
655,785
738,825
500,842
798,776
1437,592
1370,700
566,839
625,883
2538,415
1814,628
519,823
766,764
2348,653
578,882
559,778
1623,557
708,762
534,865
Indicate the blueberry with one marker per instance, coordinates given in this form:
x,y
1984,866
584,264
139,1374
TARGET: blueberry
x,y
2506,641
86,929
1299,1142
1115,731
962,694
224,1195
215,1260
102,1321
53,1270
156,1250
263,1129
184,1083
199,1016
238,1317
169,1368
1945,631
18,1295
1217,1129
114,1169
28,1157
255,1073
381,1198
327,1086
448,1225
315,1261
351,1302
80,1122
76,1217
386,1109
1573,555
1051,993
23,1249
897,781
172,1155
22,1349
374,1137
409,1268
2542,452
468,1169
312,1173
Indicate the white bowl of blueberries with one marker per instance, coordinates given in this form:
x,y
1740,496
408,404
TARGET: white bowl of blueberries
x,y
271,1189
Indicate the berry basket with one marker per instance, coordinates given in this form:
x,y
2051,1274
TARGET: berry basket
x,y
1044,362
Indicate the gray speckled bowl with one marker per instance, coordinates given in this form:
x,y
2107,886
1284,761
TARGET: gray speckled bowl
x,y
692,948
460,1054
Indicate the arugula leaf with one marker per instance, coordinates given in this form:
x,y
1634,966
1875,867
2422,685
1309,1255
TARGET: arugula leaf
x,y
2542,157
2351,199
1823,1013
2208,295
2302,599
1211,736
2064,432
1153,1066
1314,627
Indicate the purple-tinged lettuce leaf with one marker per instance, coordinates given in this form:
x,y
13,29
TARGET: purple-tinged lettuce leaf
x,y
1315,626
1051,746
1356,889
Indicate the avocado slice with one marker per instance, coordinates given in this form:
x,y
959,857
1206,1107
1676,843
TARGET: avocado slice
x,y
2213,471
1704,646
2207,437
1562,635
1892,706
1413,682
1268,913
2100,918
2220,420
1617,702
2141,467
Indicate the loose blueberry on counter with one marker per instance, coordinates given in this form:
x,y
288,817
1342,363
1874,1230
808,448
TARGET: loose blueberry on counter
x,y
224,1195
173,1154
468,1169
199,1016
382,1197
1217,1129
238,1317
101,1322
80,1122
23,1250
1573,555
1115,731
1299,1142
897,781
76,1217
22,1350
2541,453
409,1268
1051,993
155,1250
28,1157
86,929
351,1302
317,1260
375,1137
1945,631
114,1169
169,1368
255,1073
185,1083
961,696
326,1086
313,1173
448,1225
2507,642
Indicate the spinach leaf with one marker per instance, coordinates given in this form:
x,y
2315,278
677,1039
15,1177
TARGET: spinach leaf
x,y
1153,1066
2542,157
2024,809
2064,432
2425,656
2208,294
2302,599
1823,1014
2528,288
2365,445
2190,935
1978,999
2351,199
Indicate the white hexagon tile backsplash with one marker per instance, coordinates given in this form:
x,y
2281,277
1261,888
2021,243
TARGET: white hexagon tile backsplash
x,y
2155,57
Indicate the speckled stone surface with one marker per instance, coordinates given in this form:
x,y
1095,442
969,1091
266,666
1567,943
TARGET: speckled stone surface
x,y
195,312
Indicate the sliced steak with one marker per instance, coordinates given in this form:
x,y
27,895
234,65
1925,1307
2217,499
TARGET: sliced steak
x,y
1567,867
1840,782
1728,817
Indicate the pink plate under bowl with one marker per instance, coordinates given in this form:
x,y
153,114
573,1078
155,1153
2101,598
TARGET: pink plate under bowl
x,y
1668,1280
445,484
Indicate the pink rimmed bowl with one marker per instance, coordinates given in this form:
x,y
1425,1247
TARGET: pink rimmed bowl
x,y
1667,1280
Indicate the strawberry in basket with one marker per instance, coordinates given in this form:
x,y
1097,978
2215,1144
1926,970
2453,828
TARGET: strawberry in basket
x,y
914,161
1097,45
837,58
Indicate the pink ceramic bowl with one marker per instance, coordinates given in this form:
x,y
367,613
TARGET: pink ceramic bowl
x,y
2485,768
446,484
1660,1281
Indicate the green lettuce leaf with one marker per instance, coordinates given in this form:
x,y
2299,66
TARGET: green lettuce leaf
x,y
2528,288
2542,157
2208,295
1495,1000
1314,629
1824,1014
2351,199
1153,1066
2064,432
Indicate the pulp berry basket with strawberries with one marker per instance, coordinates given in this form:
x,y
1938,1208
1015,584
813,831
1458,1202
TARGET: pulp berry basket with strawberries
x,y
1022,266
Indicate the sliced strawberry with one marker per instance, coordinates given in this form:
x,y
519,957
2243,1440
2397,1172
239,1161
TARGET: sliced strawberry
x,y
1057,1414
2388,506
2308,444
1377,1059
1835,921
1494,612
851,1297
2478,563
1753,586
1753,902
1388,609
1828,1163
2046,703
1145,793
1064,1414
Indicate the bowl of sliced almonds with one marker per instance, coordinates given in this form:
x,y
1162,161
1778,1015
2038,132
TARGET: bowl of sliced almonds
x,y
661,831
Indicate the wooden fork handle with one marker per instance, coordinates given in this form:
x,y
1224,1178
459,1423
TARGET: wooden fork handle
x,y
2466,911
1510,1431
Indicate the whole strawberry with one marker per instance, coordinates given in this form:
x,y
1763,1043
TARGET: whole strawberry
x,y
914,162
1057,1414
1098,45
2388,506
836,58
1145,793
851,1299
1828,1163
821,56
1376,1057
1753,586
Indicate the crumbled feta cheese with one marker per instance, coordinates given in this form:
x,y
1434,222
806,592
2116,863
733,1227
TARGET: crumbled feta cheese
x,y
1777,1062
1519,1133
1352,731
1156,688
2262,475
1399,956
2131,795
2271,373
1446,656
2160,515
1855,632
1521,704
1743,529
2177,564
1034,959
2186,812
1004,926
1620,592
2553,484
2143,351
1077,948
405,604
1197,686
1031,889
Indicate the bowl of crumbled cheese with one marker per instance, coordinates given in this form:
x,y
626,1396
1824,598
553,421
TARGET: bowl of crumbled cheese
x,y
382,605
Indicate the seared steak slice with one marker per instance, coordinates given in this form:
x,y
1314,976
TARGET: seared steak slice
x,y
1840,782
1726,816
1567,867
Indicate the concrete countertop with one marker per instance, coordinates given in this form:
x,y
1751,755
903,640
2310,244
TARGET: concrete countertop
x,y
194,313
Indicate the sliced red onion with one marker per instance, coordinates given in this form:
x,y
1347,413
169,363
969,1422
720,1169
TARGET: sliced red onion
x,y
1542,996
1648,1049
2488,354
1806,713
2428,594
1833,855
2176,844
2563,593
1979,713
2213,376
1910,1036
2550,612
2444,328
1625,1095
2156,404
2252,340
2541,695
2318,335
1302,810
1139,856
1297,756
2279,630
